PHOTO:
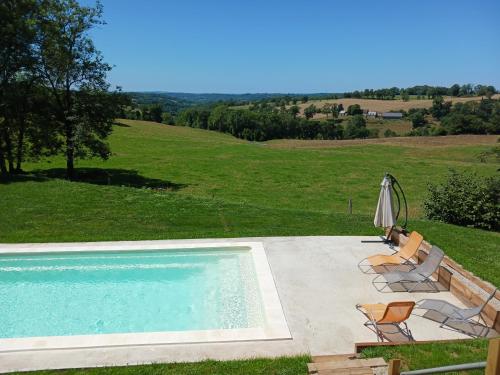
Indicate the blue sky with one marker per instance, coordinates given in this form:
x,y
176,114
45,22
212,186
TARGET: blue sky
x,y
298,46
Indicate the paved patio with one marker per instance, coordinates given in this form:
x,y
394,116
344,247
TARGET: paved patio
x,y
318,283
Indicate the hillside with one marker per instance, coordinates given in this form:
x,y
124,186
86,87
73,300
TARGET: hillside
x,y
175,182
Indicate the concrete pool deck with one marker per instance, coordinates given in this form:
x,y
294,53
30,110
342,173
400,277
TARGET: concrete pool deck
x,y
318,284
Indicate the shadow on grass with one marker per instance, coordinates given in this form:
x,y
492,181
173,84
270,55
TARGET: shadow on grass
x,y
98,176
121,124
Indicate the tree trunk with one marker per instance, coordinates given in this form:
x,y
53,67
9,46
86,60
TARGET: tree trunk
x,y
20,144
3,167
70,152
8,150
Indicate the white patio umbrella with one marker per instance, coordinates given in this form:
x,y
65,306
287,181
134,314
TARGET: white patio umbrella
x,y
384,216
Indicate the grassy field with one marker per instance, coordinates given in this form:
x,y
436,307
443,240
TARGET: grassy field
x,y
175,182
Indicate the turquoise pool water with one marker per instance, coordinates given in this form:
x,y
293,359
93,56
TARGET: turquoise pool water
x,y
59,294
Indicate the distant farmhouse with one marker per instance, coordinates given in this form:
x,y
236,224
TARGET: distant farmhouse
x,y
392,115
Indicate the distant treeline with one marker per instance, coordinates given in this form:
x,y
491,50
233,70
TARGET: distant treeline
x,y
262,125
473,117
423,91
176,102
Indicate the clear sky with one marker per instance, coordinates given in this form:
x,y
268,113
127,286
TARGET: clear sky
x,y
232,46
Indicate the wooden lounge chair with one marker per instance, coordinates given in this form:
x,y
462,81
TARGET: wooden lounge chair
x,y
420,274
450,313
394,315
403,256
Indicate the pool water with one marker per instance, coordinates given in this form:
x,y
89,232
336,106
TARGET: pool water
x,y
79,293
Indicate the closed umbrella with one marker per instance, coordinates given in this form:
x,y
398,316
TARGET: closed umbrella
x,y
384,216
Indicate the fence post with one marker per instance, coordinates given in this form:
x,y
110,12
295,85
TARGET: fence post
x,y
394,367
493,361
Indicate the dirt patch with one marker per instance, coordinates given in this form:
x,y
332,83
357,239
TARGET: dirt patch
x,y
424,142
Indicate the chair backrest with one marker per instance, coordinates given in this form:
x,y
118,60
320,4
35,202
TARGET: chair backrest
x,y
431,263
473,311
397,312
411,247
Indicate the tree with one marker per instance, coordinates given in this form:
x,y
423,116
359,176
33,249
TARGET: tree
x,y
326,109
490,91
440,108
354,109
454,90
405,96
356,128
305,99
310,111
417,119
17,35
155,113
294,110
167,118
75,73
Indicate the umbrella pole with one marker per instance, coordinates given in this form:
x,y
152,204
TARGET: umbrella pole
x,y
394,183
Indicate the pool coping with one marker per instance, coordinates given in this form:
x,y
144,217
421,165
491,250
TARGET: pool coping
x,y
276,327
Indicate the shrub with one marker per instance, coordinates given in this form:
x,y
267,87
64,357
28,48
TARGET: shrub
x,y
419,132
465,199
390,133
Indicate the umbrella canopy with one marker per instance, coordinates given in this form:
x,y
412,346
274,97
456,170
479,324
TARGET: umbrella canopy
x,y
384,216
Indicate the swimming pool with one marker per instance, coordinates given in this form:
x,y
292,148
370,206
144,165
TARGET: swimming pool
x,y
80,295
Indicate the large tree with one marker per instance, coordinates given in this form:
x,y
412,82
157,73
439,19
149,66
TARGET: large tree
x,y
75,73
17,36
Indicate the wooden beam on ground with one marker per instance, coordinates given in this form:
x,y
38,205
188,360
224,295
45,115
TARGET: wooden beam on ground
x,y
394,367
493,361
349,364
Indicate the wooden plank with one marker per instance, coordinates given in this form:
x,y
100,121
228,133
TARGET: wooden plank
x,y
333,357
353,363
493,361
394,367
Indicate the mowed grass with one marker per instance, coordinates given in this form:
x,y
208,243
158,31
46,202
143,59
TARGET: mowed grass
x,y
167,182
422,356
277,366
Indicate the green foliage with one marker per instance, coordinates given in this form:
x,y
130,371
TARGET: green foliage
x,y
259,124
354,109
310,111
473,118
390,133
465,199
440,108
417,117
294,110
356,128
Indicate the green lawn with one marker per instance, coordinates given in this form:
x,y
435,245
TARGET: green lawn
x,y
167,182
277,366
415,357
